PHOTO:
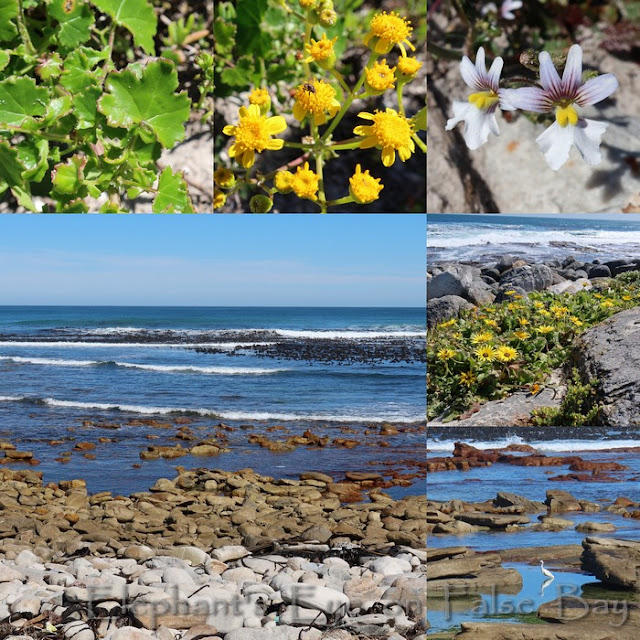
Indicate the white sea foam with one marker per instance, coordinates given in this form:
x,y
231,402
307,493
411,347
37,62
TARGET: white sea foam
x,y
551,446
223,415
458,236
148,367
348,335
133,345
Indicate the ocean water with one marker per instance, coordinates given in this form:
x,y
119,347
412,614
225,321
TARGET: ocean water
x,y
484,483
484,237
251,368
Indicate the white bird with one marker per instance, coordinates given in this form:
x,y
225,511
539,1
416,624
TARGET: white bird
x,y
546,572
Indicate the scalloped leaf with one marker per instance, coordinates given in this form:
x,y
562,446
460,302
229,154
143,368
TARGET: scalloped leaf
x,y
172,195
135,15
75,20
67,177
8,11
149,101
20,99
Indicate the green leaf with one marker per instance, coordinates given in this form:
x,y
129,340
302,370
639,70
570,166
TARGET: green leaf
x,y
135,15
34,155
148,101
67,177
86,107
5,56
20,99
223,36
173,195
10,166
8,11
75,206
250,14
75,24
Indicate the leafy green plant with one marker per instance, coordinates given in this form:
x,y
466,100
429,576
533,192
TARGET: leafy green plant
x,y
305,58
493,351
77,123
579,407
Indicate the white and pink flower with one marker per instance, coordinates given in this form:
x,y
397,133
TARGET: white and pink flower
x,y
563,96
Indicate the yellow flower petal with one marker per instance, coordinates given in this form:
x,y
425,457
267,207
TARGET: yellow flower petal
x,y
276,124
388,156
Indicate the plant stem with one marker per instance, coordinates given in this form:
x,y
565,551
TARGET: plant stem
x,y
340,79
307,36
418,141
399,94
41,134
106,68
322,201
297,145
345,200
22,28
345,145
349,100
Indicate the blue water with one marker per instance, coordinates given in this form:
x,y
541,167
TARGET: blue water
x,y
483,237
444,614
60,366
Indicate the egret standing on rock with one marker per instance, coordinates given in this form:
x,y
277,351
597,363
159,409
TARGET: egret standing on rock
x,y
546,572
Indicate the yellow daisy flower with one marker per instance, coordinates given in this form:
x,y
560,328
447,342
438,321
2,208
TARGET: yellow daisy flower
x,y
253,133
534,389
408,67
304,182
364,188
486,353
386,30
446,354
380,77
282,181
479,338
523,322
314,98
321,51
260,97
467,378
390,132
576,321
607,304
544,329
448,323
521,335
490,322
506,354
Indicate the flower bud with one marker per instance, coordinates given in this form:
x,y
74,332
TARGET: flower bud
x,y
328,17
260,204
282,181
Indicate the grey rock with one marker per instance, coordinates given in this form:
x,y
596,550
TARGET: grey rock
x,y
599,271
610,353
441,309
536,277
455,280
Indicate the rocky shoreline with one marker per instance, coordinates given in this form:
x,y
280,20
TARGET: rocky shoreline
x,y
457,576
453,287
605,354
210,554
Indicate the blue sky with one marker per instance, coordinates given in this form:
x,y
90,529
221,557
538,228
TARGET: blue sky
x,y
304,260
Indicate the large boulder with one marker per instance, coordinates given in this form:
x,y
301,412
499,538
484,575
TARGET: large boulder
x,y
616,563
610,354
440,309
530,277
460,280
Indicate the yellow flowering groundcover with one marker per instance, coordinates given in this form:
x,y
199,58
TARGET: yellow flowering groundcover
x,y
490,352
282,126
